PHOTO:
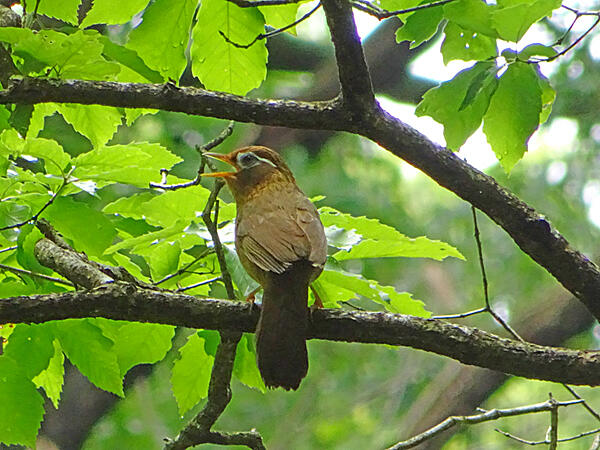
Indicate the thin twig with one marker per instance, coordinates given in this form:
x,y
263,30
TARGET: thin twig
x,y
8,249
253,3
201,283
461,315
381,14
206,147
485,416
186,267
35,274
546,441
43,208
273,32
553,430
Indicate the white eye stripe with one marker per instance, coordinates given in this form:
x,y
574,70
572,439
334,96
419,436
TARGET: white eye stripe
x,y
240,158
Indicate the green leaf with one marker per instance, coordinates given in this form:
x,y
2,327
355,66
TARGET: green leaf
x,y
513,18
96,122
90,230
91,352
393,301
536,50
20,117
548,96
420,26
4,116
444,103
163,258
467,45
244,283
31,346
472,15
137,164
513,114
21,405
111,12
191,373
76,56
219,64
130,59
65,10
142,343
380,241
140,242
51,379
244,366
12,213
162,38
26,241
280,16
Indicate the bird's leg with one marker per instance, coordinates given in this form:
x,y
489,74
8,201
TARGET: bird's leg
x,y
251,297
318,304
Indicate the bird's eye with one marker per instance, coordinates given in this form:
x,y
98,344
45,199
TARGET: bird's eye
x,y
247,160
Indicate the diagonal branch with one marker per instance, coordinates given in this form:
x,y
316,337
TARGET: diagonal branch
x,y
128,301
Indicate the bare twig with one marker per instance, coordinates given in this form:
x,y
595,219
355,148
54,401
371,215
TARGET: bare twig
x,y
374,10
201,283
546,441
485,416
253,3
185,268
43,208
273,32
206,147
461,315
35,274
8,249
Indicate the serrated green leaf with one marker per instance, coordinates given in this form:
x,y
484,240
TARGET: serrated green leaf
x,y
420,26
164,18
21,406
513,19
244,366
20,118
513,114
191,373
52,377
467,45
472,15
90,230
380,241
131,206
142,343
40,112
443,104
137,164
65,10
91,352
96,122
393,301
76,56
130,59
219,64
31,347
112,12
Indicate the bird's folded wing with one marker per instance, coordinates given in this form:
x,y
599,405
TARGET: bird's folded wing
x,y
283,234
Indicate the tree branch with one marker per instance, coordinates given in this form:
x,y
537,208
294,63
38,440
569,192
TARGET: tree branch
x,y
127,301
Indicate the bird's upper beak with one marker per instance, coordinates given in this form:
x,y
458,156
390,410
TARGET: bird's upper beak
x,y
220,157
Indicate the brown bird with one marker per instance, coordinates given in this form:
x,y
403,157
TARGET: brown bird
x,y
281,243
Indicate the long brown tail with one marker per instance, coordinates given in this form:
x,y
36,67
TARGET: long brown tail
x,y
281,333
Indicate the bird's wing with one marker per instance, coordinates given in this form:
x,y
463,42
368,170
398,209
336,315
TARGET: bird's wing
x,y
284,232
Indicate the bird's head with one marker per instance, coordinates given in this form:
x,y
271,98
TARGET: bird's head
x,y
255,167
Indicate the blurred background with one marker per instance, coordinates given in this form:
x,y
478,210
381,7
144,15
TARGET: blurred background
x,y
367,396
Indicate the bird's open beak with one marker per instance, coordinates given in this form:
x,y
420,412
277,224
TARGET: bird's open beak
x,y
220,157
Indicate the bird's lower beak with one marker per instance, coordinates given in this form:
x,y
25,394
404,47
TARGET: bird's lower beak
x,y
220,157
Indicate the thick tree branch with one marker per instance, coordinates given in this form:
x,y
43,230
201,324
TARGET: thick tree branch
x,y
355,79
127,301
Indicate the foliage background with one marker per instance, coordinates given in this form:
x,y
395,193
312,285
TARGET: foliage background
x,y
359,396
